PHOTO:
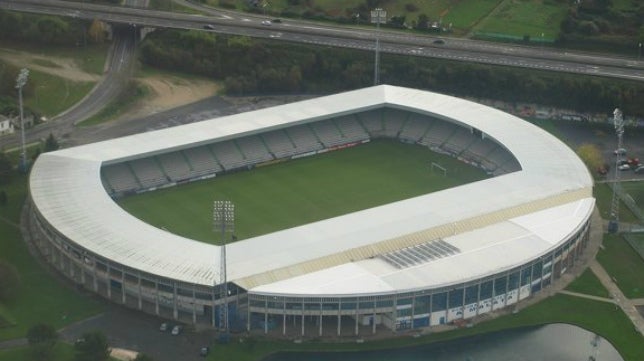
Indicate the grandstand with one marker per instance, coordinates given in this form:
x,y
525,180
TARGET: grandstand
x,y
438,258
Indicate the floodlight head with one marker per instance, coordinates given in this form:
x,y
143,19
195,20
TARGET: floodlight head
x,y
21,80
618,120
223,216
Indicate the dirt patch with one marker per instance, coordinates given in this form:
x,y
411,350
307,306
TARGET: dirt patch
x,y
123,354
61,67
169,92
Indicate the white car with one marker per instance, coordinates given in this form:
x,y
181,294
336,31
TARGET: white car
x,y
624,166
176,330
266,22
620,151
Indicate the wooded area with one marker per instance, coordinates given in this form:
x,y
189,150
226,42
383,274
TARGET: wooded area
x,y
251,66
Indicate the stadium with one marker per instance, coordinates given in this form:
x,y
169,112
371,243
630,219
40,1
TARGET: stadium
x,y
443,257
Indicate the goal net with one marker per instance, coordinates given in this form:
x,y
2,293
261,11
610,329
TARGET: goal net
x,y
438,169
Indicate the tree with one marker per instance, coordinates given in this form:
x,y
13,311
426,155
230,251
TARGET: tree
x,y
51,143
6,169
9,281
92,346
96,31
42,339
591,155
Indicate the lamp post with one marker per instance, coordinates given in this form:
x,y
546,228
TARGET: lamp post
x,y
639,51
223,217
378,15
20,82
618,122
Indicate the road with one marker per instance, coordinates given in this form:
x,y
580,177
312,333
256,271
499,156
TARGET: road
x,y
397,42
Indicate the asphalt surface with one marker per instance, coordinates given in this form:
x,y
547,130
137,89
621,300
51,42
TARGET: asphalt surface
x,y
132,330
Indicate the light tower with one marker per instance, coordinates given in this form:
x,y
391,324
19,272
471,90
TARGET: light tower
x,y
223,217
618,121
378,15
20,82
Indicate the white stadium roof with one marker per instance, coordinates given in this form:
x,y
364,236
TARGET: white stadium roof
x,y
496,223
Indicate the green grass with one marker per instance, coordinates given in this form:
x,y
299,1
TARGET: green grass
x,y
302,191
624,264
119,106
526,17
636,240
466,14
41,298
636,191
599,317
462,14
604,195
90,59
61,352
588,284
52,95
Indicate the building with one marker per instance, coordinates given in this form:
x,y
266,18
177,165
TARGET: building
x,y
425,261
6,126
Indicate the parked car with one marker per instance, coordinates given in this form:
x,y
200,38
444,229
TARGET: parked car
x,y
624,167
208,27
439,41
164,327
266,22
633,162
639,169
620,151
204,351
176,330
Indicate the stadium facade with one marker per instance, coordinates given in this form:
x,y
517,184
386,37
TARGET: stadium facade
x,y
439,258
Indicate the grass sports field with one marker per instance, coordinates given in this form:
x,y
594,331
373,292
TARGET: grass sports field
x,y
301,191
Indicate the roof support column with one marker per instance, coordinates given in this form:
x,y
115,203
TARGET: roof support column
x,y
265,316
156,298
373,320
339,315
175,310
303,317
194,306
95,276
139,295
109,281
123,286
320,332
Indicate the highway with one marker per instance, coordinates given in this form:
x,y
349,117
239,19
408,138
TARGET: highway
x,y
397,42
131,18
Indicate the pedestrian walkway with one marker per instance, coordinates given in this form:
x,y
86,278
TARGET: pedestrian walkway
x,y
590,297
627,305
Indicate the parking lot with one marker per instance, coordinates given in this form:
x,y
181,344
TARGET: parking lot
x,y
133,330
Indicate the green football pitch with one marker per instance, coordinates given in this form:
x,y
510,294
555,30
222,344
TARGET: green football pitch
x,y
288,194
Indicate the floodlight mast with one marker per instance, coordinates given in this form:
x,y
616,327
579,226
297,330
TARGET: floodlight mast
x,y
223,217
618,121
377,16
21,80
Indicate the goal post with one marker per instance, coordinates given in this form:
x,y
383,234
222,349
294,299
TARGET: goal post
x,y
438,169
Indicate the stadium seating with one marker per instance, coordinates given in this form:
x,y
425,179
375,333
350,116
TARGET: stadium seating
x,y
202,161
205,160
303,138
351,129
120,178
253,149
175,166
149,173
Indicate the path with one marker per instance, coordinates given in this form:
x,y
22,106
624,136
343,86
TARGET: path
x,y
627,305
482,22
